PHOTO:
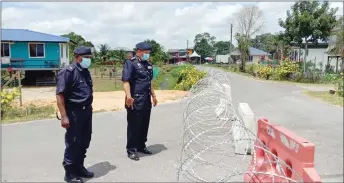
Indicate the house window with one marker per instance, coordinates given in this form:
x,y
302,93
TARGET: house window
x,y
5,50
182,54
250,58
36,50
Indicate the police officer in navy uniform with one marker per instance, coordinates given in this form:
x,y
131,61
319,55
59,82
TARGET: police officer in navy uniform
x,y
74,95
137,80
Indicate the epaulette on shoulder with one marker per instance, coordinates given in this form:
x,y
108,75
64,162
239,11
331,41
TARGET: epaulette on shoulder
x,y
132,58
70,67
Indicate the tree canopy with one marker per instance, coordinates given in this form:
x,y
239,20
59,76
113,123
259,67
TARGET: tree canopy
x,y
309,21
204,44
78,39
222,47
158,56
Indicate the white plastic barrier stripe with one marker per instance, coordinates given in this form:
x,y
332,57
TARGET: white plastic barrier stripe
x,y
247,116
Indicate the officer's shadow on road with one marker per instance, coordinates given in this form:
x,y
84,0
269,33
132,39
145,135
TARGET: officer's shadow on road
x,y
100,169
156,149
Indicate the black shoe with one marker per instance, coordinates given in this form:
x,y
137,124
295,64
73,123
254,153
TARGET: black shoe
x,y
71,178
133,156
83,172
145,151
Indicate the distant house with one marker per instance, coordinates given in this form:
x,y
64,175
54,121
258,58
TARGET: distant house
x,y
178,55
39,55
319,53
316,53
256,55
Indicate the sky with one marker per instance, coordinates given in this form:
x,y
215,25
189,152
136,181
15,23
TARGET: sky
x,y
123,24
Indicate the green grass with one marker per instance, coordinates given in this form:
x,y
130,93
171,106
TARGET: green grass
x,y
172,81
168,74
20,114
105,84
326,97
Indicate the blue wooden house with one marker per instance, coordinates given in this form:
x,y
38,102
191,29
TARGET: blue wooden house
x,y
39,55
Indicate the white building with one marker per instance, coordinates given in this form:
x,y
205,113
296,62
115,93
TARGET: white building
x,y
256,55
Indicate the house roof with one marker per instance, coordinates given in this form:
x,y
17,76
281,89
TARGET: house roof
x,y
28,35
176,50
253,52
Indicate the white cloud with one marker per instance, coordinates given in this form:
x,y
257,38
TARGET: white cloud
x,y
123,24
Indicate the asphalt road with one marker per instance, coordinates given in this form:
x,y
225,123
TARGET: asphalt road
x,y
33,151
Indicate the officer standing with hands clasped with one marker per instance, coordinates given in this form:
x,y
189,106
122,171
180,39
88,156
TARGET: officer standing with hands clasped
x,y
74,95
137,80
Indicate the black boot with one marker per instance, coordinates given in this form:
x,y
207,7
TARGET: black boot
x,y
83,172
70,175
145,151
72,178
133,155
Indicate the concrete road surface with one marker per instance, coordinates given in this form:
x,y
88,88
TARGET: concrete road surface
x,y
33,151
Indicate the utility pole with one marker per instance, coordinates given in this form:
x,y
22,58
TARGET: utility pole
x,y
230,45
187,49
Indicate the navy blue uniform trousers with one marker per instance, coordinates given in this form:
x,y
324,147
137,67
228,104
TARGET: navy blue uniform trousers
x,y
78,136
138,123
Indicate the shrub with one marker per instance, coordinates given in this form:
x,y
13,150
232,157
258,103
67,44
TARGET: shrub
x,y
264,71
187,77
312,77
252,69
329,69
234,68
296,76
286,69
331,78
7,99
339,85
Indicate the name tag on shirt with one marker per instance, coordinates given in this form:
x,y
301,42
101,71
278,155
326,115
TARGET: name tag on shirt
x,y
149,67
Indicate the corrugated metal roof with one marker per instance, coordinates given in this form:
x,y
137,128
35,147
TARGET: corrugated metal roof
x,y
176,50
253,52
28,35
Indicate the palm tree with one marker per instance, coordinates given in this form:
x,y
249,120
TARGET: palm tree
x,y
338,45
119,55
104,51
243,47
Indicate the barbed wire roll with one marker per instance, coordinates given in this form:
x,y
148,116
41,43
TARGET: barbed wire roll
x,y
212,129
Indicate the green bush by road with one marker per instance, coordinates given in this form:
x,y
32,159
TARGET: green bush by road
x,y
177,77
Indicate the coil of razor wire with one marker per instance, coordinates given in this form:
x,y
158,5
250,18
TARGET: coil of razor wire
x,y
212,129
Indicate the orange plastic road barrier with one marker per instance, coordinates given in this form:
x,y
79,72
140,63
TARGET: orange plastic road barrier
x,y
296,153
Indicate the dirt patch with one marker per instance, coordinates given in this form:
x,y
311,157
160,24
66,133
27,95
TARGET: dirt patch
x,y
103,101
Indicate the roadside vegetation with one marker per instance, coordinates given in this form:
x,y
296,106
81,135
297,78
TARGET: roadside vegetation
x,y
12,112
326,97
288,71
178,77
169,78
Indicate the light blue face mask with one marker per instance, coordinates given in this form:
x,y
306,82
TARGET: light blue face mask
x,y
86,62
145,56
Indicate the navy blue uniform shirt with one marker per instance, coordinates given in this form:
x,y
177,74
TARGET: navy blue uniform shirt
x,y
76,85
139,74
